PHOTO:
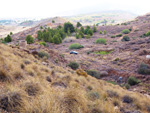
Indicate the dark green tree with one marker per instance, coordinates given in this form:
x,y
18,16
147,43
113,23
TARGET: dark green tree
x,y
69,26
90,32
8,39
82,29
29,39
79,24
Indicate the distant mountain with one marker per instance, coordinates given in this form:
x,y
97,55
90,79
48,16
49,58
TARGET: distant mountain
x,y
108,17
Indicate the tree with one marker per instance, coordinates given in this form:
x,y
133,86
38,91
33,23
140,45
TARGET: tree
x,y
39,35
82,29
53,21
29,39
90,32
57,39
69,26
8,39
79,24
11,33
86,30
41,27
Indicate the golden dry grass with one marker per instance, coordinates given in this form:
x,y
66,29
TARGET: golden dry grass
x,y
26,88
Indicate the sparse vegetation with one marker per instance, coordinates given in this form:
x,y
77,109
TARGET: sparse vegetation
x,y
103,52
118,35
43,54
76,46
94,29
101,41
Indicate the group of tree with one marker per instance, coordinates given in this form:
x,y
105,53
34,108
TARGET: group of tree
x,y
85,31
55,35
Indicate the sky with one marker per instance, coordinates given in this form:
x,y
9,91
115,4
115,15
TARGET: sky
x,y
52,8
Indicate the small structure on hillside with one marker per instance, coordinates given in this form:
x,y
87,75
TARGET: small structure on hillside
x,y
22,43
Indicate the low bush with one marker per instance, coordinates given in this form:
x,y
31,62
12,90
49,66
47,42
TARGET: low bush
x,y
42,54
127,86
73,65
125,38
93,96
76,46
43,43
100,32
94,73
144,69
101,41
126,31
88,36
127,99
133,81
112,93
118,35
105,32
113,36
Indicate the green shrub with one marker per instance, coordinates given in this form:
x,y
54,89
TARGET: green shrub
x,y
147,34
8,39
118,35
105,32
133,81
94,73
100,32
113,36
144,69
126,31
73,65
125,38
76,46
101,41
43,43
11,33
29,39
88,36
42,54
87,29
127,86
112,82
103,52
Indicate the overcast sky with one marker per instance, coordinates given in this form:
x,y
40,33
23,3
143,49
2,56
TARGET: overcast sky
x,y
51,8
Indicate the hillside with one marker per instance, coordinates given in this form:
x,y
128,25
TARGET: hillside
x,y
112,76
28,85
111,17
